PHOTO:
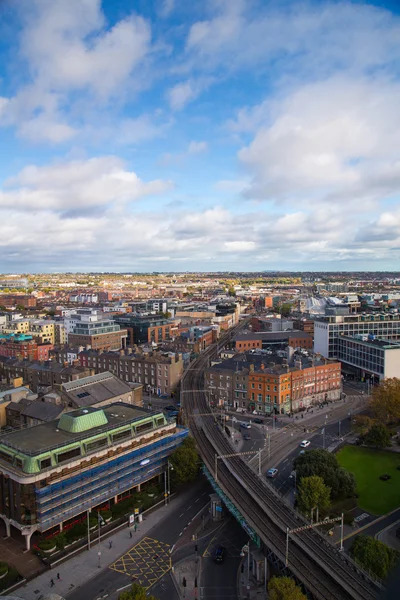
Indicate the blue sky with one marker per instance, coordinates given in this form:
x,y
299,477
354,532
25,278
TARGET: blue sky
x,y
215,135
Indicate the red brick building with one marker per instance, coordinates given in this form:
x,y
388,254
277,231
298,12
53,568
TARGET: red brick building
x,y
18,299
25,349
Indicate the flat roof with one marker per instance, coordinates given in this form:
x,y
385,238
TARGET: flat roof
x,y
380,343
271,335
40,438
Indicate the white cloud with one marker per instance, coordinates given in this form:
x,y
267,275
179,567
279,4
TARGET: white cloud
x,y
197,147
77,186
336,140
181,94
70,50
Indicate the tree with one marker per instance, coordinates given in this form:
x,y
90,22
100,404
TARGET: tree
x,y
231,291
378,436
385,401
284,588
325,465
185,462
313,493
374,555
285,309
362,424
135,593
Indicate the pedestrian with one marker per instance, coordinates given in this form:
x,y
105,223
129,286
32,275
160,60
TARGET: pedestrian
x,y
52,583
130,534
110,545
58,576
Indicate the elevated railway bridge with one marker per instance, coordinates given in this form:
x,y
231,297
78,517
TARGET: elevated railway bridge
x,y
326,573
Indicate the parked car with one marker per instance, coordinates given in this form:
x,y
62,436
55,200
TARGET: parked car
x,y
246,436
219,554
271,473
170,407
305,443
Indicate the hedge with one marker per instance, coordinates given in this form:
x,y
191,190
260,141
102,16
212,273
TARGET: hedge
x,y
3,568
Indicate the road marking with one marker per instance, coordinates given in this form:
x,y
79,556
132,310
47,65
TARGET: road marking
x,y
181,515
189,507
197,500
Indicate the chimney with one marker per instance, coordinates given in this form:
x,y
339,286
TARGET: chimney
x,y
129,350
262,366
297,364
252,368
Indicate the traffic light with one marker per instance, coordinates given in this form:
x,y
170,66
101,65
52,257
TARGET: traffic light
x,y
184,582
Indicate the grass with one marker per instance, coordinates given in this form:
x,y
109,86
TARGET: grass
x,y
374,496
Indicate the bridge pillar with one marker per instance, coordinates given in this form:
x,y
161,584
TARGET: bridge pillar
x,y
216,507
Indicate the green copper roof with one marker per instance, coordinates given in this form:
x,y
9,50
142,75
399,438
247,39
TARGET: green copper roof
x,y
83,421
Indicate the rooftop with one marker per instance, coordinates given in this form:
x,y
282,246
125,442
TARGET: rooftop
x,y
47,436
373,342
271,335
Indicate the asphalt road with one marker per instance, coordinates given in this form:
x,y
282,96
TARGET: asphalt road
x,y
219,581
168,531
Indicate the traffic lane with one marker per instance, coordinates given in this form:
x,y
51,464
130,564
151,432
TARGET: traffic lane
x,y
168,531
220,580
374,528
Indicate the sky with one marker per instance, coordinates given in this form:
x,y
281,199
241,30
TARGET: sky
x,y
166,135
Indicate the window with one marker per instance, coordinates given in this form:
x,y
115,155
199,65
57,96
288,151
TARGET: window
x,y
93,446
82,395
160,421
45,463
69,455
144,427
122,435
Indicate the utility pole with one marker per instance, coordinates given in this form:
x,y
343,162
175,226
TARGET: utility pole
x,y
341,532
88,530
339,427
287,547
323,438
216,467
259,463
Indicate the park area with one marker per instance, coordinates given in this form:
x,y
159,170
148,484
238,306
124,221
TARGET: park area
x,y
374,495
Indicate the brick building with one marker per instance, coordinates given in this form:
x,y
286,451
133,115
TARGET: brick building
x,y
264,340
26,301
40,376
158,372
23,347
248,381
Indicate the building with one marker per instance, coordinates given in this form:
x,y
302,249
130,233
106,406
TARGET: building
x,y
23,347
255,382
145,328
270,323
369,358
91,327
306,325
100,390
14,284
18,300
328,329
264,340
158,372
40,376
58,470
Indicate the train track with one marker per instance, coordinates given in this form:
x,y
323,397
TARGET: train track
x,y
327,573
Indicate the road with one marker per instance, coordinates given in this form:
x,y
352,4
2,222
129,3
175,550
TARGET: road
x,y
167,532
219,581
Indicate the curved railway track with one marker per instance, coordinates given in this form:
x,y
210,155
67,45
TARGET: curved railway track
x,y
327,573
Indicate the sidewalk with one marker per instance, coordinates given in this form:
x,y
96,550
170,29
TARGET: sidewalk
x,y
186,571
85,565
249,589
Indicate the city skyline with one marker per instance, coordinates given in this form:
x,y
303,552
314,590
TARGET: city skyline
x,y
225,136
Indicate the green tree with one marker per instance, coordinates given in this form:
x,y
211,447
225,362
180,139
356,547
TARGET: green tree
x,y
362,424
377,436
385,401
231,291
374,555
313,493
135,593
324,464
284,588
285,309
185,462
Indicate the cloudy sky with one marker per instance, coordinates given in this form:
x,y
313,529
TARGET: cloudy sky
x,y
164,135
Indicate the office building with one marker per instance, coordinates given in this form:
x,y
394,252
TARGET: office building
x,y
56,471
327,330
89,327
142,329
369,358
269,339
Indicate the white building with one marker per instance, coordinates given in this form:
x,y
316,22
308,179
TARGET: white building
x,y
370,358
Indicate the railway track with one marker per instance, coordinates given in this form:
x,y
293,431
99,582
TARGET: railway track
x,y
326,573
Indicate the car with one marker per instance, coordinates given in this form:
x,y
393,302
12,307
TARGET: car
x,y
305,443
219,554
271,473
259,421
245,425
170,407
246,436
